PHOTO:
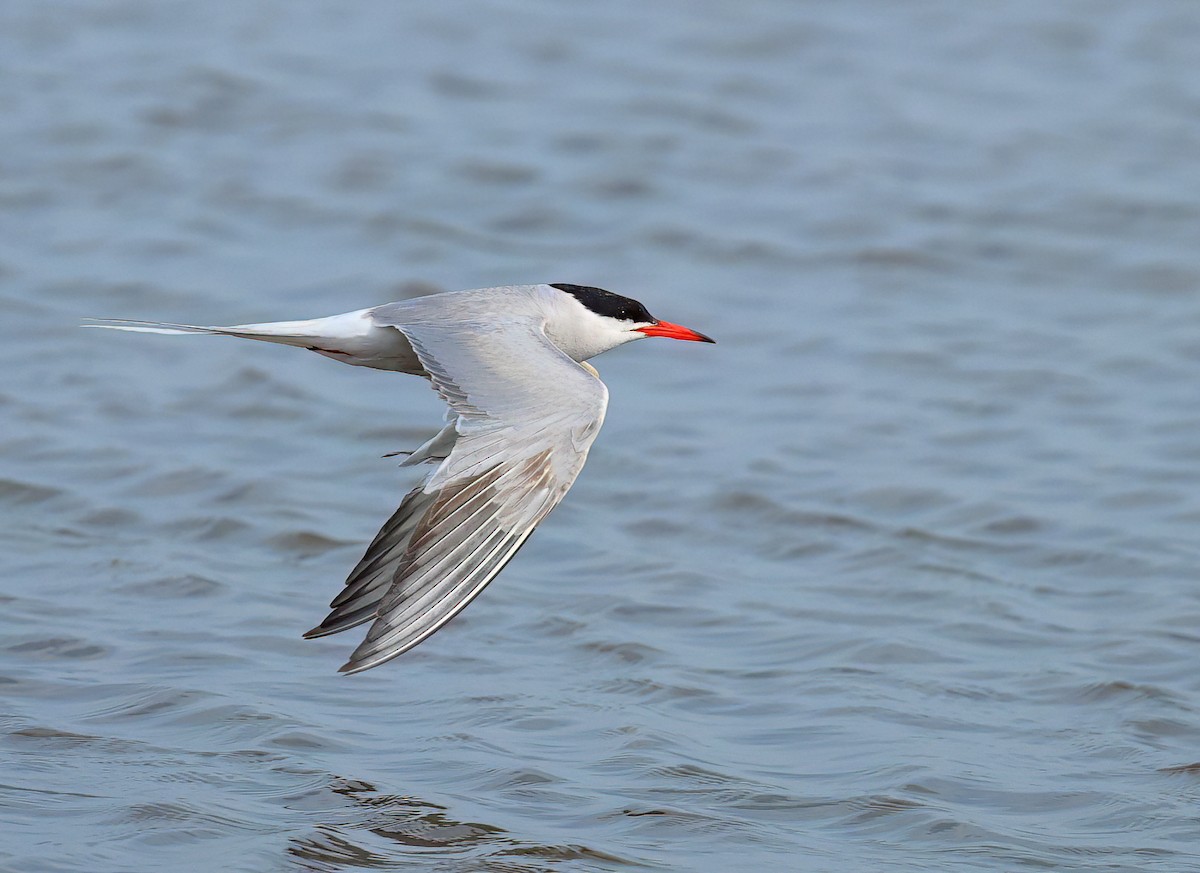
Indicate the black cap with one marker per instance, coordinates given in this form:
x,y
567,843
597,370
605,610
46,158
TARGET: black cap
x,y
607,303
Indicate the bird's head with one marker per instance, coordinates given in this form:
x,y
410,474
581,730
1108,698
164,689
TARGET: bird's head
x,y
596,320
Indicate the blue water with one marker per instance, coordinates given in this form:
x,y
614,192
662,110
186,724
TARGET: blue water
x,y
900,575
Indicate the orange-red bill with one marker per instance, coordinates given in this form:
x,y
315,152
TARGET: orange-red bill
x,y
674,331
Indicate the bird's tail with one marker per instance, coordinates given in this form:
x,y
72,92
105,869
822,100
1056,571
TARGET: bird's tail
x,y
314,333
352,337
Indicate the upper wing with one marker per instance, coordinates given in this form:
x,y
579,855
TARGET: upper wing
x,y
526,417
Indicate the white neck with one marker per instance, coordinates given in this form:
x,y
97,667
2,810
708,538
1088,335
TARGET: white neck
x,y
578,331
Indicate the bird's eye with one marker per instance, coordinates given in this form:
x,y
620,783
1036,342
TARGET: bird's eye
x,y
635,312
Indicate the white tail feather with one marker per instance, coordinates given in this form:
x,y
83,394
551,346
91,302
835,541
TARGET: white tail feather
x,y
305,334
351,338
147,326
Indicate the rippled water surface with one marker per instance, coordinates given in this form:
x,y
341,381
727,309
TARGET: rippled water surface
x,y
900,575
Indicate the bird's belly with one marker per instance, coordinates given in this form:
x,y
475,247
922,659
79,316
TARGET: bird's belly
x,y
380,348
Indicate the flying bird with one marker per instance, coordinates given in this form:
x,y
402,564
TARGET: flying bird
x,y
523,410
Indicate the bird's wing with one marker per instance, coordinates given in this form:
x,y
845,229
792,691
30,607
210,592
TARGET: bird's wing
x,y
371,579
525,417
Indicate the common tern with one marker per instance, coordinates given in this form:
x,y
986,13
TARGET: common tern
x,y
523,410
